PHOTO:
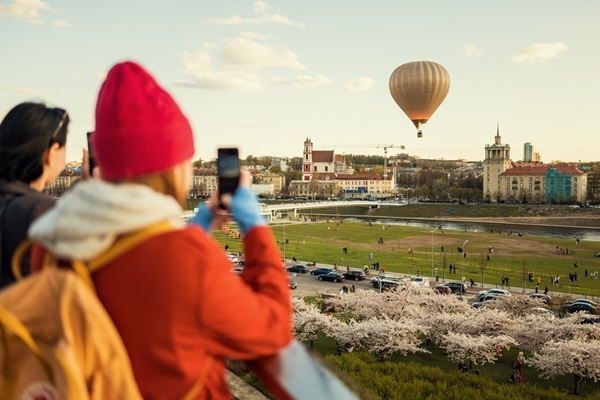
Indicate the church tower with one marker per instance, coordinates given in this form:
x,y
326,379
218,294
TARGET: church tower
x,y
307,162
497,160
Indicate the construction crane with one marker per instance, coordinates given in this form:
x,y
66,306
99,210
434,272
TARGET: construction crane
x,y
385,148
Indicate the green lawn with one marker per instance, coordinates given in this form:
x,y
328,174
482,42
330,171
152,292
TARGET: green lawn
x,y
513,256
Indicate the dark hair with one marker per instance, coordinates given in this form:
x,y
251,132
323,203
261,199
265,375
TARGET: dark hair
x,y
26,132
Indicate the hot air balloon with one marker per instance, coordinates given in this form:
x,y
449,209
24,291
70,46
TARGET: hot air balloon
x,y
419,88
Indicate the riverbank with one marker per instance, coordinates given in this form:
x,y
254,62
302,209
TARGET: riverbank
x,y
518,214
590,221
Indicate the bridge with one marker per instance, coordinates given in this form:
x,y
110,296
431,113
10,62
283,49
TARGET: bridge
x,y
273,212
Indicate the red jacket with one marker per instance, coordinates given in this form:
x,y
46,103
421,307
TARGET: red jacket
x,y
176,303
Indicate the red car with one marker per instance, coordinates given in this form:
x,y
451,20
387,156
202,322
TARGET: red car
x,y
441,289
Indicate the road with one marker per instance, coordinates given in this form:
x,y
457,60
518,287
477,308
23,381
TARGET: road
x,y
309,285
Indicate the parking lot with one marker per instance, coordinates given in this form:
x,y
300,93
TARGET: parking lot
x,y
309,285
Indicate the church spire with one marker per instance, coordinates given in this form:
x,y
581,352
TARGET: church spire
x,y
498,139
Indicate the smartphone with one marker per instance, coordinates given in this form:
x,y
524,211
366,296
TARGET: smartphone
x,y
91,153
228,170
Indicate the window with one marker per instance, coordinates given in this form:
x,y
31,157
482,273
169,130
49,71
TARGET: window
x,y
326,169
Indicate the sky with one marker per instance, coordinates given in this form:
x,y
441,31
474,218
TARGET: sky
x,y
265,75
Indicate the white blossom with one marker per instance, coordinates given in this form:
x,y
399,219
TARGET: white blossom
x,y
479,349
561,357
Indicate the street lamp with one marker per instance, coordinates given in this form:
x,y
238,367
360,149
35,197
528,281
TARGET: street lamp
x,y
432,253
462,270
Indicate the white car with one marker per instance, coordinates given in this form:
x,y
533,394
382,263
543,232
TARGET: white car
x,y
233,258
419,281
543,311
375,280
493,293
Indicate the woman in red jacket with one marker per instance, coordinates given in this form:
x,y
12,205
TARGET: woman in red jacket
x,y
174,299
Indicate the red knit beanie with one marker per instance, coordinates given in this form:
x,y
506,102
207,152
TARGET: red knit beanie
x,y
139,128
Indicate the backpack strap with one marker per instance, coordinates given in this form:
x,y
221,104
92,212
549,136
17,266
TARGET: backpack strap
x,y
18,256
8,320
84,269
120,247
127,242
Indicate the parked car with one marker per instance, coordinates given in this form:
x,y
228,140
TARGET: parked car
x,y
238,270
584,301
581,307
419,281
331,277
387,284
321,271
293,284
442,289
354,275
299,268
487,297
494,292
375,280
233,258
543,311
455,286
479,304
541,296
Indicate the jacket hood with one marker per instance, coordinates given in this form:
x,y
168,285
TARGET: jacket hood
x,y
90,217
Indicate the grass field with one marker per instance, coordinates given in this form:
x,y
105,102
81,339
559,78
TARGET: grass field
x,y
513,256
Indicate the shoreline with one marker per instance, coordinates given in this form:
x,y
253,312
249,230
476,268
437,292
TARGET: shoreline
x,y
551,222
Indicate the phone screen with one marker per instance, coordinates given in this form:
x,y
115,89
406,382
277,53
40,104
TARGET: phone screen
x,y
228,170
91,153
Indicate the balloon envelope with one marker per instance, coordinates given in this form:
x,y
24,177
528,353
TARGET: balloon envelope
x,y
419,88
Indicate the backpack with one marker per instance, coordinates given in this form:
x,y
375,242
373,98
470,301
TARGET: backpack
x,y
58,341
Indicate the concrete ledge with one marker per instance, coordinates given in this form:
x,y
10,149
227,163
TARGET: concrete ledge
x,y
240,389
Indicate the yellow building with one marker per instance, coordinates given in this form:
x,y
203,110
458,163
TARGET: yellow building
x,y
277,180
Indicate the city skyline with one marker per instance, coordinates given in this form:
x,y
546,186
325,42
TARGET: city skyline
x,y
264,75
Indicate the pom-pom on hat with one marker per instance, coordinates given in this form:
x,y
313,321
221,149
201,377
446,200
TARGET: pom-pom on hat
x,y
140,129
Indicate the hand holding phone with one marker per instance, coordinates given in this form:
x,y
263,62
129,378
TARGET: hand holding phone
x,y
91,154
228,171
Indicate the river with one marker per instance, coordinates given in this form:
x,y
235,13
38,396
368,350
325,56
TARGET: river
x,y
561,232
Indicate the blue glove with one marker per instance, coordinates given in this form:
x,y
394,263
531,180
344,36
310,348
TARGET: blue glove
x,y
203,218
245,209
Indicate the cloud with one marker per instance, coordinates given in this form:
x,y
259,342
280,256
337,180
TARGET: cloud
x,y
242,63
29,10
61,23
250,51
473,50
204,76
305,81
260,8
539,52
27,90
361,84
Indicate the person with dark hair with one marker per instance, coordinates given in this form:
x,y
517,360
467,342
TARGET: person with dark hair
x,y
33,141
